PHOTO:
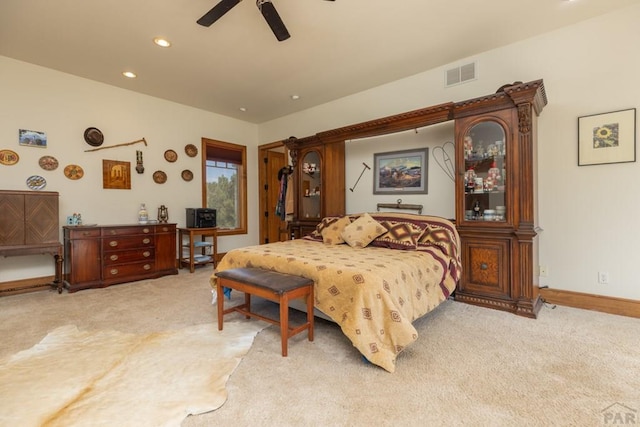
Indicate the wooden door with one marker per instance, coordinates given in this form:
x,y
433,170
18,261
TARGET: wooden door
x,y
11,219
82,257
274,224
273,157
41,218
165,247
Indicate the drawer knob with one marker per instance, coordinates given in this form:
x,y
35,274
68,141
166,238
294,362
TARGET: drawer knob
x,y
146,254
146,240
113,257
113,271
145,230
86,233
483,266
147,267
113,243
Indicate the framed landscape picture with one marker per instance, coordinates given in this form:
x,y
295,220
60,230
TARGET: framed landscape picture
x,y
32,138
401,172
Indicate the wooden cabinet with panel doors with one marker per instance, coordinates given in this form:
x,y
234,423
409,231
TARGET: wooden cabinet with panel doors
x,y
495,197
99,256
29,226
319,181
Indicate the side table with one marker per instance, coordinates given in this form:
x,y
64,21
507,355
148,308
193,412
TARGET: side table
x,y
189,244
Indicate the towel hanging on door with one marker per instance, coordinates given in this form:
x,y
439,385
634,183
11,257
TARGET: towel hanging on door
x,y
283,177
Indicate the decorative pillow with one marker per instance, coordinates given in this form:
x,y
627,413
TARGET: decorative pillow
x,y
399,235
362,231
317,233
332,233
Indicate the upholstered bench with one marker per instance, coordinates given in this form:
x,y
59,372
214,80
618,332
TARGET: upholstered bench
x,y
271,285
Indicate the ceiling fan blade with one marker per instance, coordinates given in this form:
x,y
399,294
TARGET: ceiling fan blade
x,y
273,19
217,12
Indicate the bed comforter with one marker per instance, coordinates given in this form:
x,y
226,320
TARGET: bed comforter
x,y
373,293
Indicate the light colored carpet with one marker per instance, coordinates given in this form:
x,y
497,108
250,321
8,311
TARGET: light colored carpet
x,y
470,365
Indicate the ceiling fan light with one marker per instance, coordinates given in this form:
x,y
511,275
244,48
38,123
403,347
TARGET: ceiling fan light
x,y
270,15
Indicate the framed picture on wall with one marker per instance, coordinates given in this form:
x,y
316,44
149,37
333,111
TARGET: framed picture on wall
x,y
607,138
116,174
32,138
401,172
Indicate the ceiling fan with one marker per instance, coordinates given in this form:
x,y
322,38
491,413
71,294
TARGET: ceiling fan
x,y
267,9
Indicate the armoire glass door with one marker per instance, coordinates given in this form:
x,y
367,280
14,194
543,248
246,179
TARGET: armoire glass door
x,y
485,183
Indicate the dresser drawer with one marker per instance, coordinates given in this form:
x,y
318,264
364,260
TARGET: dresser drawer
x,y
118,272
130,242
127,231
82,233
166,228
128,256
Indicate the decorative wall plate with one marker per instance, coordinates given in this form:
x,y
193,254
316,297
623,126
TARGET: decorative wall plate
x,y
170,156
8,157
48,163
187,175
36,182
191,150
73,172
159,177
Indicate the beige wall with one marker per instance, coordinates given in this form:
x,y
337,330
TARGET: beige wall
x,y
63,106
589,213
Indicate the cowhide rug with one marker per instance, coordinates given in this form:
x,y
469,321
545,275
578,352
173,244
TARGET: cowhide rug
x,y
110,378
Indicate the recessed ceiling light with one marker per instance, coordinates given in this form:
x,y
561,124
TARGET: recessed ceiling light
x,y
129,74
162,42
295,97
243,109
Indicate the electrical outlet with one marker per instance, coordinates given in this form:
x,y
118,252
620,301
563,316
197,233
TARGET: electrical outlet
x,y
543,271
603,277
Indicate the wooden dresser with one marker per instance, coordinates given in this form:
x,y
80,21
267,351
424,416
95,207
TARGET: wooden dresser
x,y
29,226
99,256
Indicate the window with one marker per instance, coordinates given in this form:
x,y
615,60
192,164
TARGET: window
x,y
224,184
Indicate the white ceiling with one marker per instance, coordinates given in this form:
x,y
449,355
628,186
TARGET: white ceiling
x,y
336,48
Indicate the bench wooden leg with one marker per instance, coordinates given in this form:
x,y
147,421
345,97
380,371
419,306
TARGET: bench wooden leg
x,y
310,316
220,304
247,303
284,322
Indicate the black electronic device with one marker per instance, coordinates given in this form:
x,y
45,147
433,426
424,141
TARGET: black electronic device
x,y
201,218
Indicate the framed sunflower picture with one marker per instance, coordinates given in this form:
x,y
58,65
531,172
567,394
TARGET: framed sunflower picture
x,y
607,138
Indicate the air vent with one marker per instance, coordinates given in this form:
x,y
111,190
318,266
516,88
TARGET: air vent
x,y
461,74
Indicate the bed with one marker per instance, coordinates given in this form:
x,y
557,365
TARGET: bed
x,y
374,274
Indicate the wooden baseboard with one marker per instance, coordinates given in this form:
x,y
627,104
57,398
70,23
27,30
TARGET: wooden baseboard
x,y
26,285
611,305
